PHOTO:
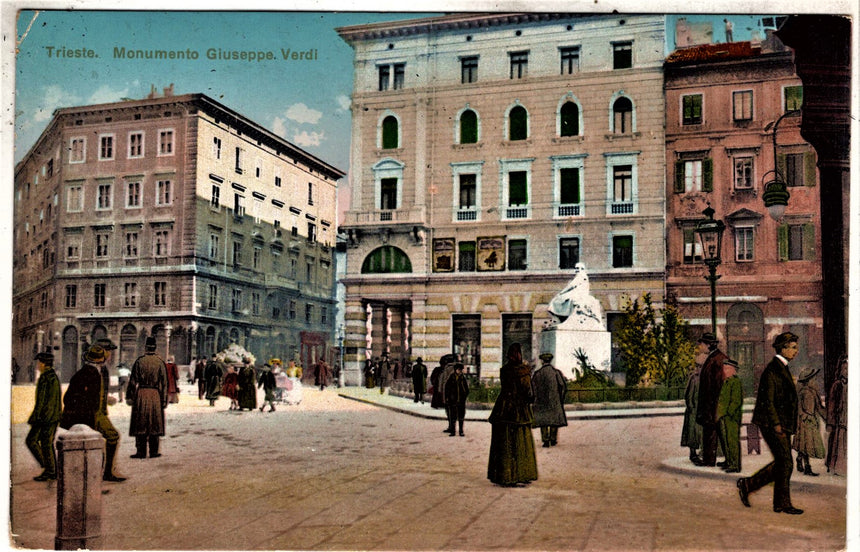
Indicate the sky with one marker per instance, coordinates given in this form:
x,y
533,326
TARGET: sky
x,y
303,101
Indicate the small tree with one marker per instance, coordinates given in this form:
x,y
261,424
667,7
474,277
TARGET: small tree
x,y
590,374
635,339
675,353
659,349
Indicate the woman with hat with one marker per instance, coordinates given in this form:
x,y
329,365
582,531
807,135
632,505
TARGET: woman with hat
x,y
549,387
807,440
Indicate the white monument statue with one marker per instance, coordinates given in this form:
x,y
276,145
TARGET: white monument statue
x,y
575,307
578,323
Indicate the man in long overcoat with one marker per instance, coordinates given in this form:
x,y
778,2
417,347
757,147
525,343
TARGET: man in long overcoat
x,y
247,386
148,383
691,432
456,394
729,412
776,414
45,417
710,381
213,375
419,380
549,387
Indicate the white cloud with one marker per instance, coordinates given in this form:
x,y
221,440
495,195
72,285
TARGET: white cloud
x,y
303,114
279,127
105,94
305,138
54,97
343,102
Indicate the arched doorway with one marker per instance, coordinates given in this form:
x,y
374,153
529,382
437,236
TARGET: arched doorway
x,y
745,338
70,354
99,332
128,345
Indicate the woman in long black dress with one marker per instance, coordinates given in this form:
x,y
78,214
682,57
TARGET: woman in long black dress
x,y
512,448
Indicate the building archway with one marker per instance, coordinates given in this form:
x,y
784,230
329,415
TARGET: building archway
x,y
70,354
386,260
745,339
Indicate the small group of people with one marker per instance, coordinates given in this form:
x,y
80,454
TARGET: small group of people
x,y
449,388
787,413
240,386
382,372
86,402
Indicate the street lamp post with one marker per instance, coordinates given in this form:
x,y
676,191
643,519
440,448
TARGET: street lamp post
x,y
710,233
776,194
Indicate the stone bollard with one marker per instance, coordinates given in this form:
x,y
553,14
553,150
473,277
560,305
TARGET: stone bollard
x,y
80,467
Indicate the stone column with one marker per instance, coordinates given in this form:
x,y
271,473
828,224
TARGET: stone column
x,y
80,466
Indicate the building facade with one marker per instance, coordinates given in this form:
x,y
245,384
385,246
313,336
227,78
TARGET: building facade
x,y
491,154
174,217
725,104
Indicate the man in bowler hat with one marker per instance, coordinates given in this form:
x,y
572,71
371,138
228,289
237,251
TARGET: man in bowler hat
x,y
710,383
84,404
776,414
45,417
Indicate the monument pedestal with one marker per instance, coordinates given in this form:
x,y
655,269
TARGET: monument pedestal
x,y
563,344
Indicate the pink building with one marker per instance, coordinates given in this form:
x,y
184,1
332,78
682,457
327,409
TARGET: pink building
x,y
722,105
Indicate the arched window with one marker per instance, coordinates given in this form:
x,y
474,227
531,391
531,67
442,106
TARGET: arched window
x,y
518,123
569,115
386,259
389,133
622,116
468,127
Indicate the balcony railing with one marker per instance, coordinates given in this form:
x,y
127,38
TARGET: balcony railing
x,y
622,208
570,210
413,215
517,212
467,214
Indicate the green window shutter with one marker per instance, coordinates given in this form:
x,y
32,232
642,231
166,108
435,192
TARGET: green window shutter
x,y
707,174
782,242
809,169
809,242
389,133
679,177
518,189
569,186
781,165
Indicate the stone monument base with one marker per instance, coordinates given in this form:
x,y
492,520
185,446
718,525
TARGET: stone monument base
x,y
563,344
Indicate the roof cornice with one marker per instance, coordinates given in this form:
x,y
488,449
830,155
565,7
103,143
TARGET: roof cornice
x,y
425,25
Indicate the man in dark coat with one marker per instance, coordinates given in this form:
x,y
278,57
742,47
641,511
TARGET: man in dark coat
x,y
199,371
776,414
550,387
710,382
247,386
85,403
456,393
419,380
45,417
148,383
213,375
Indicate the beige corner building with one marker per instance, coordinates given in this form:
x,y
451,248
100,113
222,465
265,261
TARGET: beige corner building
x,y
175,217
491,154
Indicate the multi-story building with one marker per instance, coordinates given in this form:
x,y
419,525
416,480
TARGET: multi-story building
x,y
723,108
492,153
174,217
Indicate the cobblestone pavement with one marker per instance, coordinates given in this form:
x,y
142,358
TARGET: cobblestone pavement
x,y
336,473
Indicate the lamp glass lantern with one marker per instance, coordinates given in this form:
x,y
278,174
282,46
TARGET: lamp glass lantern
x,y
710,233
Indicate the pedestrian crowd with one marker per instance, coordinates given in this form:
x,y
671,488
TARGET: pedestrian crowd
x,y
787,415
148,387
